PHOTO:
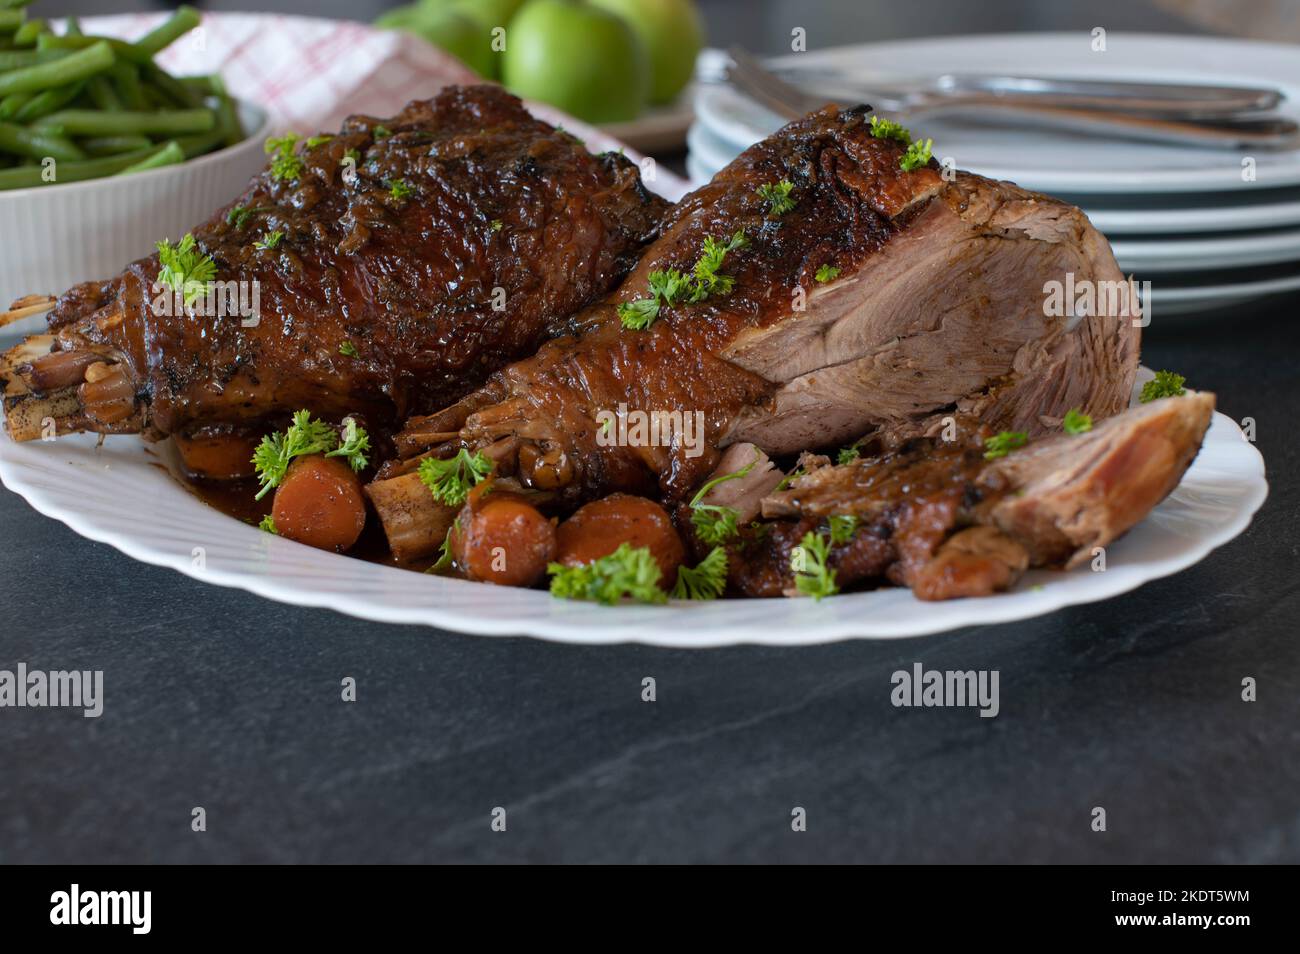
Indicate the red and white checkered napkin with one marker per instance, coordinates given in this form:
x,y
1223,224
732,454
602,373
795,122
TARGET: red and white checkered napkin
x,y
310,74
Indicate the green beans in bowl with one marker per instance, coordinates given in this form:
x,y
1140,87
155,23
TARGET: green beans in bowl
x,y
103,152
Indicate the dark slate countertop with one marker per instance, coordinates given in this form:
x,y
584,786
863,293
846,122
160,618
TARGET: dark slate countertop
x,y
220,699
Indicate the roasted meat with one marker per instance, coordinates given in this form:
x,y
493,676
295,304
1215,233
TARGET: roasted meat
x,y
469,233
883,300
939,517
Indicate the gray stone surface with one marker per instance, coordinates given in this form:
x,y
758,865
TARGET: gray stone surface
x,y
222,699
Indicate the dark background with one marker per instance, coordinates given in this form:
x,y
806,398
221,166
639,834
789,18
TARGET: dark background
x,y
222,699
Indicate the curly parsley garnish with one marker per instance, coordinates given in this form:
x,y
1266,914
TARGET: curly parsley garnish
x,y
354,445
638,315
302,438
715,523
269,241
348,349
286,164
628,571
888,129
380,131
843,526
1164,384
268,524
185,269
917,155
399,189
319,140
1001,444
918,151
451,480
669,286
827,273
705,581
495,225
444,551
777,197
1076,422
812,576
847,455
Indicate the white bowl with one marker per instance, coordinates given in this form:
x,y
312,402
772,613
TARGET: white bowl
x,y
54,236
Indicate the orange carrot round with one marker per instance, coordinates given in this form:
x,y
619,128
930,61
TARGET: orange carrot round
x,y
319,503
501,538
596,530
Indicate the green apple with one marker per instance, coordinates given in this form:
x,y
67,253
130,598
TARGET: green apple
x,y
577,57
489,14
673,33
460,35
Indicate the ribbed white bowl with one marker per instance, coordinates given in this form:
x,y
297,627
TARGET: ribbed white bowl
x,y
53,236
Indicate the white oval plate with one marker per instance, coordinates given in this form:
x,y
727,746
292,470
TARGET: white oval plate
x,y
1052,161
1240,250
1172,214
119,495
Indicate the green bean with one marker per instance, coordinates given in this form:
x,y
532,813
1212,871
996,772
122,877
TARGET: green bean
x,y
26,34
52,100
182,95
79,65
29,176
88,122
202,143
12,103
112,145
126,81
102,94
37,143
168,155
124,50
73,27
228,120
181,22
11,20
15,59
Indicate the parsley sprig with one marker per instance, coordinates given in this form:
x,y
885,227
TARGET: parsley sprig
x,y
304,437
399,189
1164,384
185,269
842,527
812,576
777,197
269,241
704,581
669,286
286,164
715,523
1076,422
827,273
847,455
1003,443
918,151
627,572
451,480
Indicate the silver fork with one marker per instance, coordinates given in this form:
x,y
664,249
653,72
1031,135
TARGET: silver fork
x,y
1040,110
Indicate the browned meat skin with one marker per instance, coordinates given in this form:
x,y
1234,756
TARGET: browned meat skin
x,y
958,525
499,200
938,308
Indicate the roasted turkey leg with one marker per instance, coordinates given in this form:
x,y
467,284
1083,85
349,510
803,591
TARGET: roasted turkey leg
x,y
470,232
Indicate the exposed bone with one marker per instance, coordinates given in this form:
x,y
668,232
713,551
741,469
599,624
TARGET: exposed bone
x,y
26,414
108,395
414,522
27,305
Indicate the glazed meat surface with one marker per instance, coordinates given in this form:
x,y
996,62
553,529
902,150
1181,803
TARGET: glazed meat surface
x,y
882,301
469,233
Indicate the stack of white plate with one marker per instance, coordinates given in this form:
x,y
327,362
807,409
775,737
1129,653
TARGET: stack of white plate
x,y
1208,228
